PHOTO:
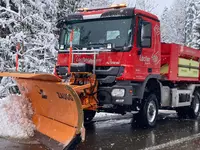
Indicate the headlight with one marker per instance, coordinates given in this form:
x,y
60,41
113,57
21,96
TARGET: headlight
x,y
118,92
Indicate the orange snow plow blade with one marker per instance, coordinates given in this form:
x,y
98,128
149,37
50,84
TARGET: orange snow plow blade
x,y
57,108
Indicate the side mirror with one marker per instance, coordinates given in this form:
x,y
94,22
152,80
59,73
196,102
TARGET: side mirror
x,y
144,35
146,32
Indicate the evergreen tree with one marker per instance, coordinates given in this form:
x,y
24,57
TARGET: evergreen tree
x,y
191,14
178,17
165,26
66,7
147,5
193,27
173,23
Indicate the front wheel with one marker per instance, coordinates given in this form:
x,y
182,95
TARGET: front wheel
x,y
148,114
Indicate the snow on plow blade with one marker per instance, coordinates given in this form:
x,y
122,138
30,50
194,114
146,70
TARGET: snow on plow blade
x,y
57,108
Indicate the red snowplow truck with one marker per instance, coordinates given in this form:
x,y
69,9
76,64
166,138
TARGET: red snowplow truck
x,y
111,60
135,71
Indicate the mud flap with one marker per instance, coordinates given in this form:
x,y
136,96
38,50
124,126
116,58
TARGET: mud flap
x,y
57,108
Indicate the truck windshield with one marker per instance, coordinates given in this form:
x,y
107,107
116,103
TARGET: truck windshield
x,y
98,33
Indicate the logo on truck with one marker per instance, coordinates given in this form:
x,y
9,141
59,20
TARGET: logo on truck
x,y
65,96
157,30
144,59
154,58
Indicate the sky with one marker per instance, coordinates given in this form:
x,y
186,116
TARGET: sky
x,y
159,9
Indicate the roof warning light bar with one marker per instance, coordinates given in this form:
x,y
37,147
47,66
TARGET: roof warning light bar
x,y
114,6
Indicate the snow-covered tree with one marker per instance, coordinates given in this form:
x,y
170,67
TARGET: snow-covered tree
x,y
165,26
178,17
147,5
173,22
193,24
9,18
68,6
190,17
30,22
196,31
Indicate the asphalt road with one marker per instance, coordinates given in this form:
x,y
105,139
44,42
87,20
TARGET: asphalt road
x,y
119,133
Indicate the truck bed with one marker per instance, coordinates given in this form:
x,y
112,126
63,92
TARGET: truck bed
x,y
180,63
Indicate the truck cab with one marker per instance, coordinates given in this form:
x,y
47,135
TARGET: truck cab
x,y
131,35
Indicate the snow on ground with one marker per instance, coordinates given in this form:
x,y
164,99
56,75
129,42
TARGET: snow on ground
x,y
15,117
101,115
110,115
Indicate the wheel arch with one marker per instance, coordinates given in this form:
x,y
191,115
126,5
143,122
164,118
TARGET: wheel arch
x,y
150,84
197,88
194,88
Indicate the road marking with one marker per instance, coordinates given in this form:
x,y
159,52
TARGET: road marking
x,y
172,143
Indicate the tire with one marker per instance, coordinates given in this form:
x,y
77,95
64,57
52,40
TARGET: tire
x,y
194,109
89,115
191,111
147,116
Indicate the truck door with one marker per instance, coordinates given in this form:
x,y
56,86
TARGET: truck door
x,y
148,47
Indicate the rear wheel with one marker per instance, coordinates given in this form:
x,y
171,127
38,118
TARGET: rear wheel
x,y
89,115
191,111
148,114
194,109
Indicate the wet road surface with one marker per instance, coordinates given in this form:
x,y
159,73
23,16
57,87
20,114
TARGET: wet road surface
x,y
119,133
122,134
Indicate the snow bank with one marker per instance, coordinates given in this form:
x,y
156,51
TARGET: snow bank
x,y
15,117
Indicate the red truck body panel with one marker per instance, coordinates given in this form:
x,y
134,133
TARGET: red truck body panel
x,y
170,53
